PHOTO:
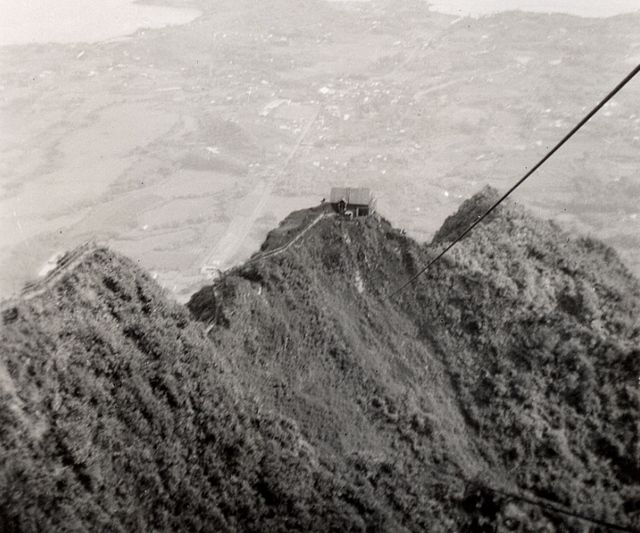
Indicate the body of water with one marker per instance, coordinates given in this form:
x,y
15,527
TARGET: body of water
x,y
581,8
66,21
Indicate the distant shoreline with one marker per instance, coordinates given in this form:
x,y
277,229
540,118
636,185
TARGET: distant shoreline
x,y
480,8
70,21
579,8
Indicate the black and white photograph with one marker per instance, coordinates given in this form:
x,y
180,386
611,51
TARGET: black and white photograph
x,y
274,266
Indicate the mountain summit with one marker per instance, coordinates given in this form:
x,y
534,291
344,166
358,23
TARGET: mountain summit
x,y
497,392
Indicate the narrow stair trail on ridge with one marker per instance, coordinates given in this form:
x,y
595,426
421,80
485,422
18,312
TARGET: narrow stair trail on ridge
x,y
66,263
285,247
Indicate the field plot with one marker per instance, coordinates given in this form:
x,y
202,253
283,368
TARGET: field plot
x,y
182,146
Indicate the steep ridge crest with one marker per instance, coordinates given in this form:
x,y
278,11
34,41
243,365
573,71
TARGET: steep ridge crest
x,y
295,393
514,359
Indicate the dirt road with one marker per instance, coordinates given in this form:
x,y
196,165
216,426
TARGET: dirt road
x,y
226,249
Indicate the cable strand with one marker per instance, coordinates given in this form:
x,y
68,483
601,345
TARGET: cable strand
x,y
579,125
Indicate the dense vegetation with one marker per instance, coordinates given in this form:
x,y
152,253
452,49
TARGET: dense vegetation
x,y
542,336
512,364
304,397
117,415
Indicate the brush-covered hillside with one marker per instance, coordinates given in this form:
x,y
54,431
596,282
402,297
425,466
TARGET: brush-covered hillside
x,y
298,393
117,414
514,361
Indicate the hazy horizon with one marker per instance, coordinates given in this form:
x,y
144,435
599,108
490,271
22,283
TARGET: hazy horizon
x,y
580,8
69,21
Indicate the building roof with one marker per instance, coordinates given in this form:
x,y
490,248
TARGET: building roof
x,y
351,195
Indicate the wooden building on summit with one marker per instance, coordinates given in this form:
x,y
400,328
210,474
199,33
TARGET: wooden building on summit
x,y
352,201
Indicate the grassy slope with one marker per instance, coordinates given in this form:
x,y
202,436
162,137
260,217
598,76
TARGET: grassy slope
x,y
515,360
117,415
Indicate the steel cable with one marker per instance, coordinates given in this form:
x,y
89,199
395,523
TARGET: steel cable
x,y
586,118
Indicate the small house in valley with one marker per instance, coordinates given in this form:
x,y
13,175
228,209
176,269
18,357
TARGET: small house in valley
x,y
352,201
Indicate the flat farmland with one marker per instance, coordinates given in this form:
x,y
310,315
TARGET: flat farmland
x,y
183,146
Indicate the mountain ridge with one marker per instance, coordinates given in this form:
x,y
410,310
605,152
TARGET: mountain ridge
x,y
510,364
